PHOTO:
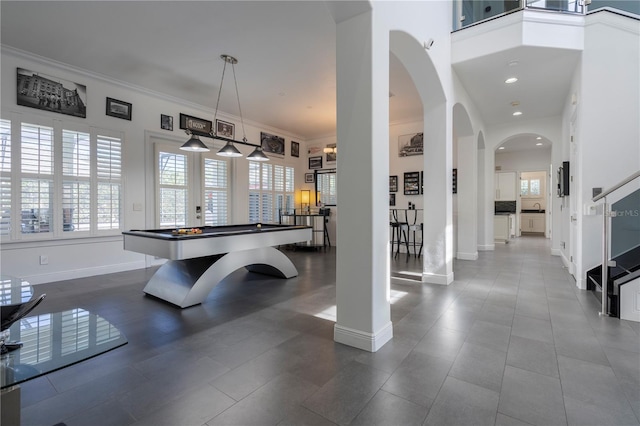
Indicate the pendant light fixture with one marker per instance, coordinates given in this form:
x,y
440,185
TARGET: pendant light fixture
x,y
229,150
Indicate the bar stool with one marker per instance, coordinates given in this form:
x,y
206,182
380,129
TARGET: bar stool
x,y
398,230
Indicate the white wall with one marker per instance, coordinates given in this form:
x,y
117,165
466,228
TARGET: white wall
x,y
608,111
71,258
526,161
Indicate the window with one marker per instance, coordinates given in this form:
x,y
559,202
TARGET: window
x,y
5,177
172,181
326,188
530,188
215,192
68,181
271,189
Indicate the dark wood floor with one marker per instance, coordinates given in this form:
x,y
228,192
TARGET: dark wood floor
x,y
511,341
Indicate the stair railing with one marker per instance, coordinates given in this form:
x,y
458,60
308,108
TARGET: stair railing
x,y
606,213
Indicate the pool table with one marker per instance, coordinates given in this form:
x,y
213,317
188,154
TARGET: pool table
x,y
201,257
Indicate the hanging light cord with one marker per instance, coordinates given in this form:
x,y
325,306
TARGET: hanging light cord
x,y
218,101
233,68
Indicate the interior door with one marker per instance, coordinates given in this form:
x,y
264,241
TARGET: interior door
x,y
573,201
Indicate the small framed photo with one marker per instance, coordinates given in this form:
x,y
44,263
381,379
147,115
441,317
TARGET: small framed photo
x,y
197,126
271,143
309,178
392,199
393,183
412,183
119,109
295,149
225,129
166,122
315,162
455,181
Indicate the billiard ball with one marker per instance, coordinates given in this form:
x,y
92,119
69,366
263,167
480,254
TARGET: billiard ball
x,y
259,226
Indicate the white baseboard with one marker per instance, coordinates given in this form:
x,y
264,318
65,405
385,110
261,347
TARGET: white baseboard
x,y
437,278
467,256
82,273
361,339
486,247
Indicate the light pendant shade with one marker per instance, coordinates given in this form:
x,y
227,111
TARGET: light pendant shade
x,y
194,144
229,150
258,155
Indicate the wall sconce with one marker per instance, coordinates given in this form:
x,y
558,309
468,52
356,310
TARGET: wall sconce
x,y
331,150
305,199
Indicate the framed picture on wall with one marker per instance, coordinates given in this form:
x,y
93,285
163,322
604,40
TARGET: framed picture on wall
x,y
309,178
412,183
225,129
392,199
295,149
119,109
51,93
393,183
166,122
272,144
315,162
409,145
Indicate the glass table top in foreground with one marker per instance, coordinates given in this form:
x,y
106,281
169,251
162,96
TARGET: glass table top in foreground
x,y
54,341
14,290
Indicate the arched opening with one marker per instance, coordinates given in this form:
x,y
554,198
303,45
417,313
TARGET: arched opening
x,y
522,187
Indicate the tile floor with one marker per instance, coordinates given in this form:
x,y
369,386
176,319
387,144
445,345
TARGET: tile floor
x,y
510,342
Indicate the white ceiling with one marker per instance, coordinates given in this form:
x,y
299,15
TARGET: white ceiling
x,y
286,52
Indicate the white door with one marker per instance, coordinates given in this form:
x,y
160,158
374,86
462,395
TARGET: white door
x,y
573,201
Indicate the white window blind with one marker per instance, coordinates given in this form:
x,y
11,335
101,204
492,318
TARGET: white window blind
x,y
172,181
109,181
327,188
215,191
270,190
5,177
36,336
76,186
36,149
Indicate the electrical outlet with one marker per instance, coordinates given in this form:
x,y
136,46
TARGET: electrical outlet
x,y
44,260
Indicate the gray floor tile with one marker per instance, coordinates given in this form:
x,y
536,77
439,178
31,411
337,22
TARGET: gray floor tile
x,y
419,377
193,408
594,384
441,342
479,365
387,409
532,328
532,397
533,355
109,413
502,420
579,344
491,335
303,416
580,413
462,403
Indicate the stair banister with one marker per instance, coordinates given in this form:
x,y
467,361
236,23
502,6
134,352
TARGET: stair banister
x,y
605,237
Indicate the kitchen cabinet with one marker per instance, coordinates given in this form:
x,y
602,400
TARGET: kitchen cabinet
x,y
532,222
505,186
501,228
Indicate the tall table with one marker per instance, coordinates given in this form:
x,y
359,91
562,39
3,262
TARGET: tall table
x,y
317,220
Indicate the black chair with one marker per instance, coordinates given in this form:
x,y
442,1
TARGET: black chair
x,y
326,212
398,231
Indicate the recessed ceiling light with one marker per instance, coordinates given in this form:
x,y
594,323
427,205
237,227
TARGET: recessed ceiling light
x,y
502,147
517,113
539,144
511,80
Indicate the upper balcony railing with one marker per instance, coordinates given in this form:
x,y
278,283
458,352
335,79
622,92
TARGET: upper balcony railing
x,y
471,12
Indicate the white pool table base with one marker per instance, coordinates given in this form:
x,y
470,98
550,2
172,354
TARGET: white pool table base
x,y
188,282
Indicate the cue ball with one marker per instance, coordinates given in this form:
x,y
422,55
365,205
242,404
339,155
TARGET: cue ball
x,y
259,226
